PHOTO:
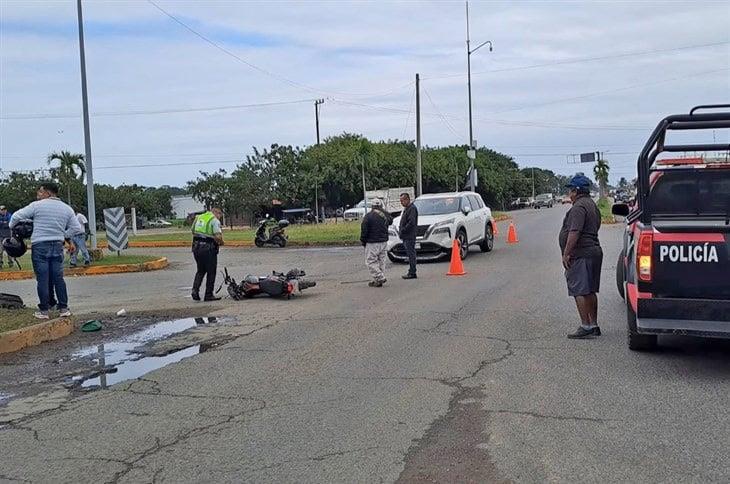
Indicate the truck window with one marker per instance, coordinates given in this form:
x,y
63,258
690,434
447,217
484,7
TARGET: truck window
x,y
699,192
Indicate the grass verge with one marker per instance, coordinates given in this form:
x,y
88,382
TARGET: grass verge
x,y
11,319
109,259
605,207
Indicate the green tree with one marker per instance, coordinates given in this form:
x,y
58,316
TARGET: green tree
x,y
70,167
601,170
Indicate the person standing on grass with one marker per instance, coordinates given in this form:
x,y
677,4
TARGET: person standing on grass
x,y
374,237
407,231
582,255
79,241
4,233
207,238
52,221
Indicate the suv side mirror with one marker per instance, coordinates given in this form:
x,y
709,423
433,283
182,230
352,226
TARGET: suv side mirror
x,y
466,210
620,209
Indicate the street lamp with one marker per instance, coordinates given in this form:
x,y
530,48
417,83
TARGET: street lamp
x,y
469,52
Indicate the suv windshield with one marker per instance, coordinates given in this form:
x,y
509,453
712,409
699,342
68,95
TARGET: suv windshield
x,y
685,192
437,206
544,196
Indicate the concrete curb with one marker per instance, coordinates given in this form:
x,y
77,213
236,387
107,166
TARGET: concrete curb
x,y
234,243
36,334
153,265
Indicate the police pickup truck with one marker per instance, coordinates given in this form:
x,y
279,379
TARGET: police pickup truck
x,y
674,269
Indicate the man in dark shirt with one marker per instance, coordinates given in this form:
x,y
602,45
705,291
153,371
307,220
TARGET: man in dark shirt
x,y
4,232
582,255
407,230
374,237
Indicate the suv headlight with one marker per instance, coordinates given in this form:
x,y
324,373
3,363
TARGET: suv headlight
x,y
443,227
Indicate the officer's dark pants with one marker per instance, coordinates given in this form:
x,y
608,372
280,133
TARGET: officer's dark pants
x,y
410,246
206,258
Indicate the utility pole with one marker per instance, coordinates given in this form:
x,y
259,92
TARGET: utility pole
x,y
87,133
317,103
533,184
419,174
469,52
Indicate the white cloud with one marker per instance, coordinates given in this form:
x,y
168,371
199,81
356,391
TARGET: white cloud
x,y
140,59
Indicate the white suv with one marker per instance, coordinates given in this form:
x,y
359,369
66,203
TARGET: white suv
x,y
441,218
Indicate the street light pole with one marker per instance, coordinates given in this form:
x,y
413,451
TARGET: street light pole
x,y
469,52
317,103
87,133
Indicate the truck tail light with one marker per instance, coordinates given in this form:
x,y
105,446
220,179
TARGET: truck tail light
x,y
644,255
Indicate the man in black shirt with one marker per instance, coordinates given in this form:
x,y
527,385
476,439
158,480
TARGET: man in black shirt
x,y
407,230
582,255
374,237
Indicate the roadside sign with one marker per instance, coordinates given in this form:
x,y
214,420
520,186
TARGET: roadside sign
x,y
589,157
471,154
116,229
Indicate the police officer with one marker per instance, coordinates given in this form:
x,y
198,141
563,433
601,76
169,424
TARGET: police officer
x,y
207,238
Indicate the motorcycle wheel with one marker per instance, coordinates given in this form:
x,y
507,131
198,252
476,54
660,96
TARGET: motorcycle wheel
x,y
258,242
281,242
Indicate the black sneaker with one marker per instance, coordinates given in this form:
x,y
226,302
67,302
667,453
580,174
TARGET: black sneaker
x,y
196,297
410,276
582,333
211,298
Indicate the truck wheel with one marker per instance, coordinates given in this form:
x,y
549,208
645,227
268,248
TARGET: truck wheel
x,y
488,243
463,243
620,278
636,341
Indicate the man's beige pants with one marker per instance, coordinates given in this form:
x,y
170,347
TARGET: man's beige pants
x,y
375,259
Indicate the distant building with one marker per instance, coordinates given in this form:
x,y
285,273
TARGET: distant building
x,y
184,205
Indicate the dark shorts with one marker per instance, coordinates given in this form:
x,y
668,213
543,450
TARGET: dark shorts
x,y
584,276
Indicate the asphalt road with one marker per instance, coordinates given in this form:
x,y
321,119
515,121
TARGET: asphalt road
x,y
464,379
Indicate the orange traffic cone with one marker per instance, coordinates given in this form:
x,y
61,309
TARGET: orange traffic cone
x,y
495,231
456,268
512,234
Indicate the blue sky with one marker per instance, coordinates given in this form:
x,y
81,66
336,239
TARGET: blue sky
x,y
362,58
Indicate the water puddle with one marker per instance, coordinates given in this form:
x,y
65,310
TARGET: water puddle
x,y
120,360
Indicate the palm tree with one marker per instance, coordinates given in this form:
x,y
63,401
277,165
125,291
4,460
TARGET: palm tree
x,y
600,170
70,167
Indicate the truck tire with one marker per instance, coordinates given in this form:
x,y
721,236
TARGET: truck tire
x,y
620,277
636,341
488,243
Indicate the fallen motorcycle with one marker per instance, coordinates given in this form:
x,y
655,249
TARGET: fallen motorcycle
x,y
277,284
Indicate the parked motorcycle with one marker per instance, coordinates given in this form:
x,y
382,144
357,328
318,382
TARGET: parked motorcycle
x,y
277,284
276,234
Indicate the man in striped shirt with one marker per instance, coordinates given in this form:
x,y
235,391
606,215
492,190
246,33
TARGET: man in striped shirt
x,y
53,222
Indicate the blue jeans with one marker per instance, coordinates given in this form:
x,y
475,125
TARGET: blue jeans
x,y
47,260
80,243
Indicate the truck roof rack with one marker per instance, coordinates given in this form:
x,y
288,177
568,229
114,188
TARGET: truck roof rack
x,y
709,106
679,122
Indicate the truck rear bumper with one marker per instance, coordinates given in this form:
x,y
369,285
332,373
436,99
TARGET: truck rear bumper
x,y
693,317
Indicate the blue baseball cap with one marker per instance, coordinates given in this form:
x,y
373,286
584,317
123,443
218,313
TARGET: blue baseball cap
x,y
580,182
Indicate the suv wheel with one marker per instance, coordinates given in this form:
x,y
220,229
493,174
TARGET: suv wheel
x,y
488,243
636,341
620,275
463,243
393,259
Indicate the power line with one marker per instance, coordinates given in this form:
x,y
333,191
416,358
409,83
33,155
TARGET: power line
x,y
611,91
408,117
445,120
261,69
584,59
156,111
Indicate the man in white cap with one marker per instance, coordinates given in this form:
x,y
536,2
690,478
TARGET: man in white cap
x,y
374,237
